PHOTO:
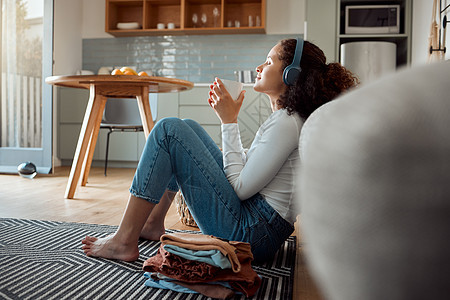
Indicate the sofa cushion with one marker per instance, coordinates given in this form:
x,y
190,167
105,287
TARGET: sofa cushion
x,y
375,188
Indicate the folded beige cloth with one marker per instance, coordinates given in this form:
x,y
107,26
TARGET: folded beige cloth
x,y
194,241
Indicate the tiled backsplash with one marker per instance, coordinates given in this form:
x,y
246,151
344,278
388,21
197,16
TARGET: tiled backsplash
x,y
197,58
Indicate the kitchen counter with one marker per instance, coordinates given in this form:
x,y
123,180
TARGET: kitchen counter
x,y
203,84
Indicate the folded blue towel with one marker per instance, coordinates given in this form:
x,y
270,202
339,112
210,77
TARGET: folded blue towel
x,y
213,257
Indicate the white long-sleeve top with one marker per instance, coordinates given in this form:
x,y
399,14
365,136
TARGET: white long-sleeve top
x,y
269,165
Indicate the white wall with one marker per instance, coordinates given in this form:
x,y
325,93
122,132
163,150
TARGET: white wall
x,y
67,36
67,50
283,17
420,30
422,12
94,20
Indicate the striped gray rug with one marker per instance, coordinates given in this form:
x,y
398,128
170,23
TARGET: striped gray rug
x,y
44,260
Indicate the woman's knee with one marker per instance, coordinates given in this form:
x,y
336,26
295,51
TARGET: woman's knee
x,y
173,122
168,121
197,128
168,124
191,122
194,125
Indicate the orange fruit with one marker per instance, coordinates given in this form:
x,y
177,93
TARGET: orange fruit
x,y
128,71
143,73
116,72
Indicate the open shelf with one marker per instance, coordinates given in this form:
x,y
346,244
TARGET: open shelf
x,y
242,11
196,10
123,11
162,11
234,16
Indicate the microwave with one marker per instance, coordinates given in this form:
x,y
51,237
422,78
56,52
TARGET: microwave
x,y
372,19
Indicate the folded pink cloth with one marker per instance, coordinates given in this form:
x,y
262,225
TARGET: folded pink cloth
x,y
177,267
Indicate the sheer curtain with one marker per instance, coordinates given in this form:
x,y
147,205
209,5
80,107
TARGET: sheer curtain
x,y
21,73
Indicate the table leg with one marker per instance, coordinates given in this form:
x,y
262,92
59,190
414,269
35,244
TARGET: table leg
x,y
92,110
145,111
93,140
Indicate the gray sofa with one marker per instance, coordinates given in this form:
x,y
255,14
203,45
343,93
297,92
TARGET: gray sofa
x,y
374,189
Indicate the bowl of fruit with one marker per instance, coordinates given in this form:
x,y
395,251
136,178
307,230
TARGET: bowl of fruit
x,y
128,71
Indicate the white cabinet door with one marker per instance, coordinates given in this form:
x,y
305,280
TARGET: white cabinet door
x,y
254,111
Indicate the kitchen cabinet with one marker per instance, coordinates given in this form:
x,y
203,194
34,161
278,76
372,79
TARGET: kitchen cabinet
x,y
71,104
254,111
126,148
186,17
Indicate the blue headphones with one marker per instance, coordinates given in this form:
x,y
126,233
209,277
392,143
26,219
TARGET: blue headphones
x,y
292,71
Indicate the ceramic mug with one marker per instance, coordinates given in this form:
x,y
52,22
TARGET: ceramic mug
x,y
233,87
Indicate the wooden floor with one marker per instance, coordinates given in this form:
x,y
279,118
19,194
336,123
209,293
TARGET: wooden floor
x,y
102,201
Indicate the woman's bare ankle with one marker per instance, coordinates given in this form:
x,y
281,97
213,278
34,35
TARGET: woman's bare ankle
x,y
152,232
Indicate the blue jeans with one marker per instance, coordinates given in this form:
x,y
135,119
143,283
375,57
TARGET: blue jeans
x,y
179,154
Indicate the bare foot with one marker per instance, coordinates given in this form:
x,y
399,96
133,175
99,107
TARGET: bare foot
x,y
152,233
110,247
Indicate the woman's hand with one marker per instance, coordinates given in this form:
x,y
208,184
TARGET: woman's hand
x,y
220,100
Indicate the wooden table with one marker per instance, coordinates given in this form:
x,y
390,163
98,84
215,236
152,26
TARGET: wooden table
x,y
101,88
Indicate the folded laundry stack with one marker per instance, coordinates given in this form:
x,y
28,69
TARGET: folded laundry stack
x,y
198,263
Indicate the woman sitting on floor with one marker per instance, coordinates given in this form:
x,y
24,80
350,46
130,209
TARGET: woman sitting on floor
x,y
234,194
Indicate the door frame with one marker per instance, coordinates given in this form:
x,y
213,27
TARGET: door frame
x,y
11,157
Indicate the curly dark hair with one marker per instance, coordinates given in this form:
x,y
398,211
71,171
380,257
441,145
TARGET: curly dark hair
x,y
318,82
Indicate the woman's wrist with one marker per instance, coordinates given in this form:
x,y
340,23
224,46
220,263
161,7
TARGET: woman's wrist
x,y
229,122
